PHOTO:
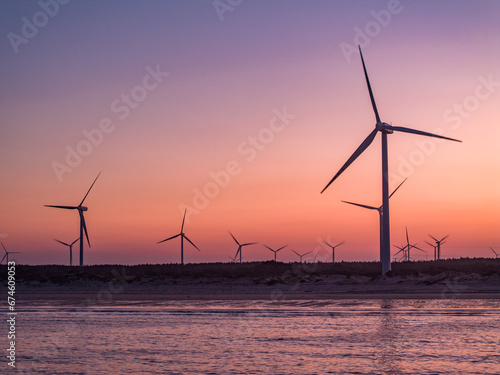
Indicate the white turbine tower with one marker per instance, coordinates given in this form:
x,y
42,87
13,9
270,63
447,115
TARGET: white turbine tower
x,y
385,129
183,236
80,210
70,245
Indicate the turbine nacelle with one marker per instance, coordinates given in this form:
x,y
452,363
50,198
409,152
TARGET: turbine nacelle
x,y
384,127
83,208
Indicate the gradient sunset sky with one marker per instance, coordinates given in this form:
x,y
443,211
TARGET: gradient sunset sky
x,y
204,82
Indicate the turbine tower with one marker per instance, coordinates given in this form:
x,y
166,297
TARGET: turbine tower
x,y
6,256
496,254
183,236
385,129
275,251
380,214
434,247
80,210
301,255
333,249
240,246
410,246
438,244
70,249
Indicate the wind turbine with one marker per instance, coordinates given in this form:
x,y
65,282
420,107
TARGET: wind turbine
x,y
6,256
301,255
438,244
435,249
80,210
380,214
275,251
70,249
240,246
182,239
333,249
410,246
403,249
495,252
384,129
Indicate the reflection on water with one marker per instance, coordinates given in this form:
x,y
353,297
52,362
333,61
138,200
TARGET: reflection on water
x,y
263,337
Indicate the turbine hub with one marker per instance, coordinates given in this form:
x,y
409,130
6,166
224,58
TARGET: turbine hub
x,y
384,127
83,208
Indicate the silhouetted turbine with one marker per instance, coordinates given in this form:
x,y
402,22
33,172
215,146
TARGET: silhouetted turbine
x,y
275,251
410,246
495,252
380,211
434,247
333,249
6,256
182,239
70,249
80,210
240,246
438,243
384,129
301,255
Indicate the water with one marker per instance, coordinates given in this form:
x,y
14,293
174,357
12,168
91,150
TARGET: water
x,y
258,337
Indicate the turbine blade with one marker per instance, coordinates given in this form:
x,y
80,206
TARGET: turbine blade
x,y
407,238
249,243
191,243
84,226
89,189
340,243
64,207
369,87
72,243
268,247
3,247
170,238
419,132
444,238
398,187
428,243
367,142
361,205
398,252
3,258
184,218
64,243
418,248
281,248
235,240
296,253
306,253
434,238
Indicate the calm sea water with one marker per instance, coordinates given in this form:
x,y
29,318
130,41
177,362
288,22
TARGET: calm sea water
x,y
242,337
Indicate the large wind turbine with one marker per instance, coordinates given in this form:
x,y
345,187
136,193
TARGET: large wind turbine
x,y
6,256
70,249
275,251
496,254
438,244
301,255
80,209
240,246
434,247
384,129
182,239
380,211
333,249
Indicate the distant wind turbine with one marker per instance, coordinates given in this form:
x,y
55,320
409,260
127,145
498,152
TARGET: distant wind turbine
x,y
380,214
410,246
403,257
80,210
70,249
275,251
240,246
6,256
438,244
183,236
384,129
434,247
333,249
301,255
496,254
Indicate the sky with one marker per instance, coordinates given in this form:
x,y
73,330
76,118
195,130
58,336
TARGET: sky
x,y
241,112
